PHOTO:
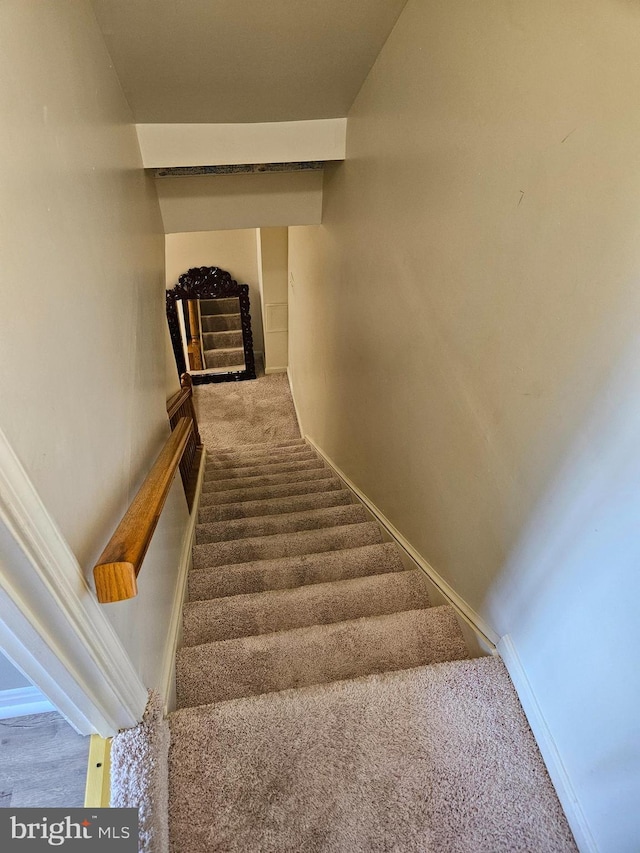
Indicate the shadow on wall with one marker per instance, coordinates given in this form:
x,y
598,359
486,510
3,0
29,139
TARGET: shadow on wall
x,y
568,598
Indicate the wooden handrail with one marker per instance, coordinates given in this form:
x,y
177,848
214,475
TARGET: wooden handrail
x,y
116,571
181,406
178,399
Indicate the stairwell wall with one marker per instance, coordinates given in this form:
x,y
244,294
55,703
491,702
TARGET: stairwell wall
x,y
83,382
462,331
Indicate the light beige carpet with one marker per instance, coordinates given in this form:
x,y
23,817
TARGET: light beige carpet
x,y
324,705
139,776
436,759
252,412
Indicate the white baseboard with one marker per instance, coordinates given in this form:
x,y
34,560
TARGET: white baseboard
x,y
552,759
167,685
269,370
487,637
295,405
22,701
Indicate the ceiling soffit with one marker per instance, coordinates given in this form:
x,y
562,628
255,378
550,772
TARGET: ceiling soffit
x,y
223,61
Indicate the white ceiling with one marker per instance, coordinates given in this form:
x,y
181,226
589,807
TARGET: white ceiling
x,y
243,60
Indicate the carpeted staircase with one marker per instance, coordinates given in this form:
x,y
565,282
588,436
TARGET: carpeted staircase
x,y
222,334
323,704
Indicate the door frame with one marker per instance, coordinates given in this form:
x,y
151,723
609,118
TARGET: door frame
x,y
51,624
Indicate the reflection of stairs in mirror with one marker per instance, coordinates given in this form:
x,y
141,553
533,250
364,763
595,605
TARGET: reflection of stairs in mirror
x,y
222,334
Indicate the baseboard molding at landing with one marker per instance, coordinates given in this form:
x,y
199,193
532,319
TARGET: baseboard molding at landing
x,y
269,370
22,701
486,636
167,687
552,759
295,405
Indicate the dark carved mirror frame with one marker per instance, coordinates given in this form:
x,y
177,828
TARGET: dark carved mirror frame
x,y
210,283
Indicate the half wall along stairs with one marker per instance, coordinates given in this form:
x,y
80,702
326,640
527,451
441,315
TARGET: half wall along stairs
x,y
323,703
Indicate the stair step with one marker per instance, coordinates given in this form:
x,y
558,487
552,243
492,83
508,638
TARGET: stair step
x,y
242,450
290,572
222,340
229,305
318,604
282,454
278,525
286,477
230,669
221,322
286,545
274,506
435,758
259,493
224,357
263,469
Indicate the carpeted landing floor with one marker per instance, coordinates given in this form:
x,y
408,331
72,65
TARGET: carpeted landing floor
x,y
237,413
323,704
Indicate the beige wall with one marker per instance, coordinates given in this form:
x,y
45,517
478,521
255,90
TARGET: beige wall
x,y
81,283
272,275
457,324
262,200
234,251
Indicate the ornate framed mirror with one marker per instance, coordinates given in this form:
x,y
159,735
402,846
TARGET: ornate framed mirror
x,y
210,326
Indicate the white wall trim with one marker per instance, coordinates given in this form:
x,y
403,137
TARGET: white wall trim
x,y
550,753
168,677
164,145
485,632
51,624
295,405
22,701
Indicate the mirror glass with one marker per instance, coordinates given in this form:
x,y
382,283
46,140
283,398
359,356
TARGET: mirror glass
x,y
209,317
211,334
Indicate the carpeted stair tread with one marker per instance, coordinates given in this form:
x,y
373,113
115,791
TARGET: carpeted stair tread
x,y
215,554
230,669
284,454
288,477
222,339
242,450
289,572
317,604
277,525
233,357
274,506
428,760
220,322
263,469
281,490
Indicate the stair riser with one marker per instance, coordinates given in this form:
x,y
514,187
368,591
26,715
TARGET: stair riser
x,y
272,547
242,450
266,480
320,604
219,306
262,470
252,509
221,323
253,665
230,358
222,340
263,493
295,454
245,528
296,571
